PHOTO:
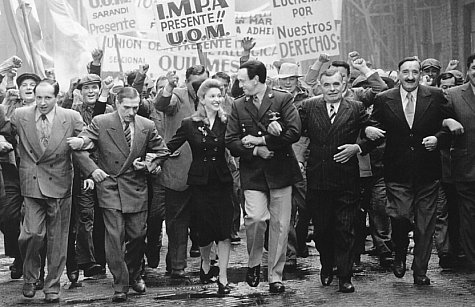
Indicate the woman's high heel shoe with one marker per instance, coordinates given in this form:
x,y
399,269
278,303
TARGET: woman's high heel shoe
x,y
223,289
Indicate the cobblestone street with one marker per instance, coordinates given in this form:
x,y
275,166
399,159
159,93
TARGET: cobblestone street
x,y
374,287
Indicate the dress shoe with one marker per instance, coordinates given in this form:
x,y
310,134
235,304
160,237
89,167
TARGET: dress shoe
x,y
303,253
16,269
195,252
52,297
40,283
91,269
399,267
119,297
139,286
253,276
207,278
326,279
152,262
29,290
223,289
276,287
235,239
345,286
178,274
73,276
421,280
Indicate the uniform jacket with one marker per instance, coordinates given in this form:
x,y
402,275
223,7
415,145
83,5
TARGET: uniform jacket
x,y
405,157
462,101
126,188
175,108
256,173
323,173
47,173
207,147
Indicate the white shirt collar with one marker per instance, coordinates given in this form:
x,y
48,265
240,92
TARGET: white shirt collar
x,y
336,105
49,116
403,93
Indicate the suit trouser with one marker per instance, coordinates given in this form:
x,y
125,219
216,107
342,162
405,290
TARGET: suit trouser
x,y
261,206
156,216
379,221
406,200
177,220
334,215
466,201
11,210
125,245
298,201
45,217
441,235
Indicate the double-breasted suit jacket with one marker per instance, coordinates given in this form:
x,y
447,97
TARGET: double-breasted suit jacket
x,y
207,147
125,189
405,157
49,172
282,169
462,101
323,173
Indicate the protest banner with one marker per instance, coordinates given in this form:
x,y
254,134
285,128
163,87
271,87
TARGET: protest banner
x,y
106,17
304,28
182,22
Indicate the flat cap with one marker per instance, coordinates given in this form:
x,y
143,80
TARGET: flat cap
x,y
431,63
89,79
26,76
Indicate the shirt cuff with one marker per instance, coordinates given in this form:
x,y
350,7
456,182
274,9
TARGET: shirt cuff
x,y
102,99
359,148
264,140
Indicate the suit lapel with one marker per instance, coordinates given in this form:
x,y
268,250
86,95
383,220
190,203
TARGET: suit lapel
x,y
395,105
322,117
422,103
116,132
468,96
265,103
31,134
251,108
140,134
59,128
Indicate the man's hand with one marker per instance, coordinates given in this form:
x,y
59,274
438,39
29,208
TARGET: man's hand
x,y
143,69
249,141
353,55
50,74
88,184
274,128
360,65
264,152
248,43
138,164
107,83
11,73
374,133
426,80
323,58
452,65
5,147
97,56
430,143
172,80
75,143
347,151
454,126
99,175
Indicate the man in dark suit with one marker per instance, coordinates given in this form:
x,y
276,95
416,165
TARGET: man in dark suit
x,y
462,100
411,117
261,129
46,174
122,140
333,123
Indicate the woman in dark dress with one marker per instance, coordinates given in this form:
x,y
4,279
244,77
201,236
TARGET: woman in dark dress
x,y
210,179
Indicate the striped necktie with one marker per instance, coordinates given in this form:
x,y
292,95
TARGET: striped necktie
x,y
332,113
127,133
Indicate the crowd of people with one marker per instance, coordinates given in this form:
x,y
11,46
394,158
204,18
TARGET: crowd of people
x,y
90,174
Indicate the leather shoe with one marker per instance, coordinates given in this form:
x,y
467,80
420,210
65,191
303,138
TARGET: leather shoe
x,y
385,260
326,279
399,267
195,252
421,280
223,289
253,276
52,297
178,274
276,287
91,269
40,283
73,276
119,297
16,269
29,290
139,286
345,286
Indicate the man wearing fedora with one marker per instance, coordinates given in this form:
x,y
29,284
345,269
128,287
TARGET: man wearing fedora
x,y
288,80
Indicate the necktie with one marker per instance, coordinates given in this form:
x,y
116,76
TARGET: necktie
x,y
332,113
256,102
127,133
44,138
409,109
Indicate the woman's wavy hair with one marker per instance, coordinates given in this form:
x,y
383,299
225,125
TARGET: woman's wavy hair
x,y
200,114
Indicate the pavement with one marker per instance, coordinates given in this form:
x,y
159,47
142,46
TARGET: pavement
x,y
374,286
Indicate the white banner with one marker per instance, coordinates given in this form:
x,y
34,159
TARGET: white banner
x,y
181,22
110,16
304,29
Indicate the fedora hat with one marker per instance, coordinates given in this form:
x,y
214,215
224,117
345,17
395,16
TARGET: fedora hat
x,y
288,70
